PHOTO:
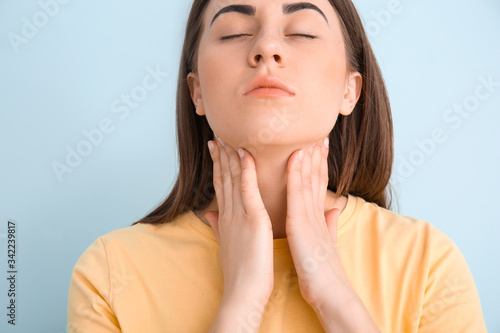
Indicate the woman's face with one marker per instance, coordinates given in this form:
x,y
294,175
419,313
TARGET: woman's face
x,y
292,52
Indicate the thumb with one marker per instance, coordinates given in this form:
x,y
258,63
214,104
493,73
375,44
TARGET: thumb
x,y
331,218
213,219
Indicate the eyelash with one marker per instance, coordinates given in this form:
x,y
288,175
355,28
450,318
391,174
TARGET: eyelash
x,y
233,36
293,35
304,36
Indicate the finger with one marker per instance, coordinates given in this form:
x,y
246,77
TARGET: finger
x,y
316,173
227,182
251,198
331,218
213,218
217,175
295,205
235,168
325,149
306,176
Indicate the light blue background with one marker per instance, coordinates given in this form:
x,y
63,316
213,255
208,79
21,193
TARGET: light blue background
x,y
65,79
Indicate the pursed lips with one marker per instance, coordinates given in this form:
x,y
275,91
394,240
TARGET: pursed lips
x,y
268,86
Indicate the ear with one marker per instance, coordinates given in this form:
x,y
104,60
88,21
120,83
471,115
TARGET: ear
x,y
195,89
352,93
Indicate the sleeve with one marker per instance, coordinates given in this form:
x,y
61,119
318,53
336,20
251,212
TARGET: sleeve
x,y
89,307
451,301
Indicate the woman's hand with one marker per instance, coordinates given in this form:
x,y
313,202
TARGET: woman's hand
x,y
242,227
312,234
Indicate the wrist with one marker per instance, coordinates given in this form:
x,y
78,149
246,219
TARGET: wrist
x,y
243,295
243,303
335,292
336,313
238,314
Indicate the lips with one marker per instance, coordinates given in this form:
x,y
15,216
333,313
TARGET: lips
x,y
268,86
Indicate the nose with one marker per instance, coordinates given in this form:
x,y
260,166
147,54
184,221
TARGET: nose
x,y
268,50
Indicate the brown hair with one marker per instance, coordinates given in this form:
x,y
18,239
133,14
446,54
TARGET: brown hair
x,y
361,144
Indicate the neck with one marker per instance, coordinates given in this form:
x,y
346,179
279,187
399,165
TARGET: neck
x,y
271,167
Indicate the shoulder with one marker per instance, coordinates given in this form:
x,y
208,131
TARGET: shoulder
x,y
411,252
390,223
410,243
399,236
137,240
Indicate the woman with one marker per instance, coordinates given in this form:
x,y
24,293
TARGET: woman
x,y
279,219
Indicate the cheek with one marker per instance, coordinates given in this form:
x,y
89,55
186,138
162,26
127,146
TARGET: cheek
x,y
323,85
217,71
329,73
211,75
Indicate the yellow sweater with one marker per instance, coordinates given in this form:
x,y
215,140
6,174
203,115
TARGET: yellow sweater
x,y
167,278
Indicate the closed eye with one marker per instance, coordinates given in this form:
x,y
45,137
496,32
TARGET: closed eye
x,y
234,36
303,36
306,36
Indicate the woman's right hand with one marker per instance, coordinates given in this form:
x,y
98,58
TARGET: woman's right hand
x,y
242,227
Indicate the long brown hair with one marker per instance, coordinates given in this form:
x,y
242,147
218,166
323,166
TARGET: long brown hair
x,y
361,144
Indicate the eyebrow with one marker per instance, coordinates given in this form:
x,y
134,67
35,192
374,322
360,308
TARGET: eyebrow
x,y
243,9
289,8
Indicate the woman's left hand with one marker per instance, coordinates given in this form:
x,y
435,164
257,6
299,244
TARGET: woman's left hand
x,y
312,233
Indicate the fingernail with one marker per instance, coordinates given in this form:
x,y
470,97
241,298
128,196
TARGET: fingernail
x,y
326,142
301,155
211,146
241,152
221,142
